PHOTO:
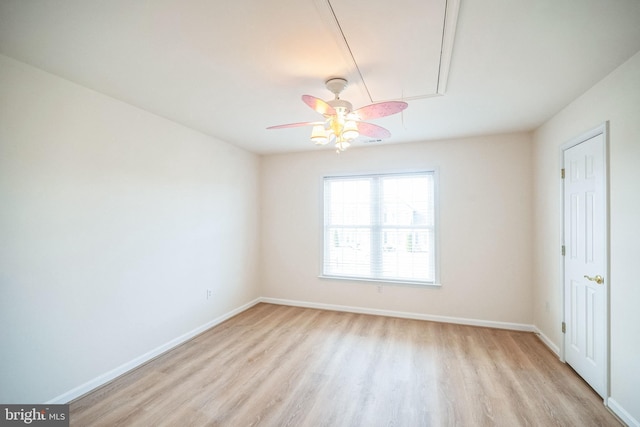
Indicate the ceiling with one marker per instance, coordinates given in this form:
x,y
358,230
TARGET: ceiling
x,y
231,69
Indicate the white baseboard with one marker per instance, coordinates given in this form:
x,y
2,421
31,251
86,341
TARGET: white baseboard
x,y
545,339
611,403
140,360
101,380
126,367
621,413
403,314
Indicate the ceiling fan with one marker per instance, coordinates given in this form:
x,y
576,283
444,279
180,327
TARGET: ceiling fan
x,y
341,123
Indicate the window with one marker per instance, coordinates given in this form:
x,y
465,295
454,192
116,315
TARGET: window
x,y
380,227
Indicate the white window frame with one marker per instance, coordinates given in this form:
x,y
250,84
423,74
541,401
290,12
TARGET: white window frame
x,y
372,279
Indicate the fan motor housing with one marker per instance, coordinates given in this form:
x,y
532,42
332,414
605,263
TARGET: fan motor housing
x,y
341,104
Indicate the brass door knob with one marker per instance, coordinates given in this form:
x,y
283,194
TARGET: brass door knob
x,y
598,279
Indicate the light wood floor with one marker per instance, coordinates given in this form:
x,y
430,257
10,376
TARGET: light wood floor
x,y
287,366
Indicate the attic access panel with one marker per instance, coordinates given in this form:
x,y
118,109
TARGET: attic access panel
x,y
401,48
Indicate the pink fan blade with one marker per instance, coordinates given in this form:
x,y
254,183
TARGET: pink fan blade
x,y
381,109
295,125
318,105
374,131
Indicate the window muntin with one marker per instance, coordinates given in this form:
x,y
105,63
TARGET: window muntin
x,y
380,227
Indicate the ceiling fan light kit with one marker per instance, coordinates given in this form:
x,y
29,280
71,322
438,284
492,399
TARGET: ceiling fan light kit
x,y
342,124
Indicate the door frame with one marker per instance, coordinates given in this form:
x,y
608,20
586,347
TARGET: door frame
x,y
602,129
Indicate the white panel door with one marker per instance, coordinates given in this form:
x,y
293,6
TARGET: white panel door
x,y
585,281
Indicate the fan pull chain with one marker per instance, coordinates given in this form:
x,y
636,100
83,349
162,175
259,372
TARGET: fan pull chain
x,y
402,112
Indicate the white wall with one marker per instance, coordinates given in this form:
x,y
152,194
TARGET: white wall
x,y
617,99
485,225
113,223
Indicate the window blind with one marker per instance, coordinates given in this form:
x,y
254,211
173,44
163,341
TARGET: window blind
x,y
380,227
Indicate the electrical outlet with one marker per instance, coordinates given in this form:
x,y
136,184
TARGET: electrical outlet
x,y
209,293
546,306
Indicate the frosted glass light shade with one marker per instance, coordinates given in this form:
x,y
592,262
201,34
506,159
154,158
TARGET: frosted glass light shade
x,y
342,145
319,135
350,131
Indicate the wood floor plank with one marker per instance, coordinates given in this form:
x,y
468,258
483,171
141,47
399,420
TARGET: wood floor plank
x,y
287,366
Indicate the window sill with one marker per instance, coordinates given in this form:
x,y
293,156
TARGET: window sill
x,y
380,282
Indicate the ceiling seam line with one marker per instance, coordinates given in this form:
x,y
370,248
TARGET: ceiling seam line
x,y
444,30
344,38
